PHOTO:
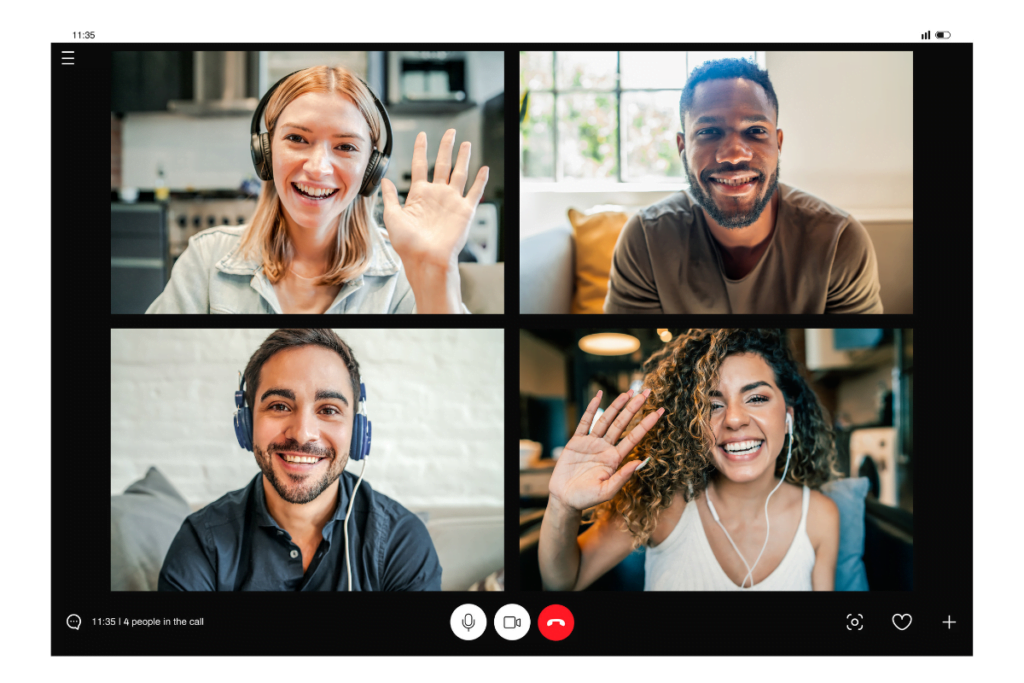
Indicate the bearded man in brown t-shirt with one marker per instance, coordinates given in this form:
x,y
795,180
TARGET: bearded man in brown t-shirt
x,y
739,241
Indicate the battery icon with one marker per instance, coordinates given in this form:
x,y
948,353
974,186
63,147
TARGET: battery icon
x,y
942,34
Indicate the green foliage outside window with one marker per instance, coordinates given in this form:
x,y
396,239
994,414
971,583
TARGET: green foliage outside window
x,y
581,125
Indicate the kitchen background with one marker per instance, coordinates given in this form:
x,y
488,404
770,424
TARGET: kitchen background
x,y
180,160
864,378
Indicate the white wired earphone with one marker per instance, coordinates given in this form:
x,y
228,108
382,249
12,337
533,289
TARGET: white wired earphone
x,y
348,513
711,506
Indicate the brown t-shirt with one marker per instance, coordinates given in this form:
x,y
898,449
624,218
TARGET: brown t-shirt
x,y
819,260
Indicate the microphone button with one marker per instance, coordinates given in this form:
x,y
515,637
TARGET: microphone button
x,y
468,622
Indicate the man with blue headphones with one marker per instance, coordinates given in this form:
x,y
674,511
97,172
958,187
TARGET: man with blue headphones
x,y
303,523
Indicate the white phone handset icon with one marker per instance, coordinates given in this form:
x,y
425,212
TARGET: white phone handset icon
x,y
560,622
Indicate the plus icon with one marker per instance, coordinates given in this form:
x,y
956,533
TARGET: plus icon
x,y
949,622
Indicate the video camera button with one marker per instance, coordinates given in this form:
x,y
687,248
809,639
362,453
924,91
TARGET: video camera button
x,y
555,622
512,622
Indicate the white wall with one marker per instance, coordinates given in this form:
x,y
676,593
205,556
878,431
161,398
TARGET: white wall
x,y
848,121
435,398
195,152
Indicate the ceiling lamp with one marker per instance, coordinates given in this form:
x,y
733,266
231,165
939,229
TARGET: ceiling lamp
x,y
609,344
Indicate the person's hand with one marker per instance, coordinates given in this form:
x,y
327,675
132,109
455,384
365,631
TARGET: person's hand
x,y
432,227
587,472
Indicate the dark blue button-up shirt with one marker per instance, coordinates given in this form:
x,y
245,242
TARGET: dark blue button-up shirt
x,y
234,544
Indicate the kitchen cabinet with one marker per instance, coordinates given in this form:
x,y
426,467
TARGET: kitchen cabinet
x,y
147,80
138,256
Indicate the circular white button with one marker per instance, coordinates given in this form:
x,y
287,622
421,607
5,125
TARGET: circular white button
x,y
512,622
294,554
468,622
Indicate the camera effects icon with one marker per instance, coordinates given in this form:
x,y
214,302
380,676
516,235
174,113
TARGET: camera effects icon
x,y
855,622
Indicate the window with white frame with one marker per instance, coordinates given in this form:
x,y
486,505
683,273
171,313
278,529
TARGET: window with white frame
x,y
605,116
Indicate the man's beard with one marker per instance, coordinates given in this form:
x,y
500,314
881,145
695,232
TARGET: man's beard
x,y
731,220
304,491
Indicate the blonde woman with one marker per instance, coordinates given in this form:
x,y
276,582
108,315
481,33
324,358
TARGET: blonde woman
x,y
312,245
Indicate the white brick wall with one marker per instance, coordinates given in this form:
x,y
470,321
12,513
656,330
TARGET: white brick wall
x,y
435,397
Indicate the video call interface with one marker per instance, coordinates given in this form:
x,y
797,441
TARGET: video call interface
x,y
521,481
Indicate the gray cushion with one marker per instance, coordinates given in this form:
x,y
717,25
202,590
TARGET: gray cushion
x,y
848,495
547,271
143,522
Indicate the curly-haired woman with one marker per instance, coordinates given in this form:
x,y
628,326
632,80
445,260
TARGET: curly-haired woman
x,y
733,444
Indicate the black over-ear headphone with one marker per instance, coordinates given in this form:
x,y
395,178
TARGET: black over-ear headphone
x,y
260,145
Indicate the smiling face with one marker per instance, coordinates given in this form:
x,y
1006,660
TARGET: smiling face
x,y
320,149
748,418
302,421
731,150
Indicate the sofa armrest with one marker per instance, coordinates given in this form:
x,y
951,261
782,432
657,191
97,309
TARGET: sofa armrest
x,y
547,266
470,543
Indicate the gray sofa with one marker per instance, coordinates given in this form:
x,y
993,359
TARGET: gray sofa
x,y
547,267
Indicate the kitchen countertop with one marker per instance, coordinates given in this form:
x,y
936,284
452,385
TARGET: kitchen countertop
x,y
149,197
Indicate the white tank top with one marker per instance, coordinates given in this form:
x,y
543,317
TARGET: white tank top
x,y
685,562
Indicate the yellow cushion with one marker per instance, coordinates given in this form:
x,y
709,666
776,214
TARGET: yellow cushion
x,y
596,235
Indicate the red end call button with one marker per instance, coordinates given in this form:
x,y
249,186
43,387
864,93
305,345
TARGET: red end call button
x,y
555,622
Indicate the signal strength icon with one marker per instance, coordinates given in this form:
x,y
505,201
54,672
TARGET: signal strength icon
x,y
927,35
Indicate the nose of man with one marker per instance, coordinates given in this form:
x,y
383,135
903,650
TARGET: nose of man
x,y
303,428
733,151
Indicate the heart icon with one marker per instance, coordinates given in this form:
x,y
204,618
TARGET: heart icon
x,y
901,621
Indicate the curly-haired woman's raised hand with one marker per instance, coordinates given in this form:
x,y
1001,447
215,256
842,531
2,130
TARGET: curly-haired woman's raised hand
x,y
587,472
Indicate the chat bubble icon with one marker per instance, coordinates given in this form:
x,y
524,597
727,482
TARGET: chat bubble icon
x,y
74,621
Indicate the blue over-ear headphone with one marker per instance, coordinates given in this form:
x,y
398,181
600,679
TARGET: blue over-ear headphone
x,y
362,430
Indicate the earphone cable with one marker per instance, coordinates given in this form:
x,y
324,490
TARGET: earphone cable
x,y
767,522
714,514
348,562
768,528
